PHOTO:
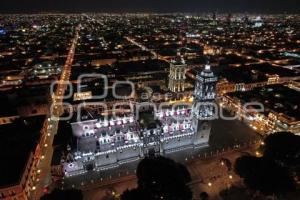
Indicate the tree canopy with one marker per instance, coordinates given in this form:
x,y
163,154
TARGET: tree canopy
x,y
284,148
264,175
160,178
274,172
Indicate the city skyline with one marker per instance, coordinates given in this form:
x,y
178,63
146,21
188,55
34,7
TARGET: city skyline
x,y
194,6
151,100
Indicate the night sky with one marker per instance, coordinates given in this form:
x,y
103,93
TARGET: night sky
x,y
254,6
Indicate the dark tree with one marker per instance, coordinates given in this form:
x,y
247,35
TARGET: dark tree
x,y
264,175
63,194
245,166
204,196
160,178
134,194
284,148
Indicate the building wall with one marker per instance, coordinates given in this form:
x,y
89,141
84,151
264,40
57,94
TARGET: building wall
x,y
78,128
12,193
128,153
8,120
177,142
22,190
106,159
77,168
203,132
177,78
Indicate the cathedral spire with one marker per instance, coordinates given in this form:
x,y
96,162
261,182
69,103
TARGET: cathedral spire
x,y
203,109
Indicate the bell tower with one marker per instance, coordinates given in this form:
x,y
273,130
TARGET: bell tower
x,y
204,108
177,77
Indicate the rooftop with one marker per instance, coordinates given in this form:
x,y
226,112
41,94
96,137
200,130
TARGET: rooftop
x,y
278,98
255,73
17,140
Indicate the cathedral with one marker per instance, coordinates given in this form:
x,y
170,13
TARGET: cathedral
x,y
104,144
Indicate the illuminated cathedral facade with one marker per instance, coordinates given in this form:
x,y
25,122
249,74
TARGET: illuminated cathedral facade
x,y
177,77
103,144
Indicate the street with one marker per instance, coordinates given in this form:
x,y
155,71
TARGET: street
x,y
51,125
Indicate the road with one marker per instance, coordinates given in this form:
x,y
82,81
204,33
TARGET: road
x,y
44,158
143,47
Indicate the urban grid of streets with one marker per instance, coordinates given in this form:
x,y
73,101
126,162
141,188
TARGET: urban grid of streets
x,y
123,177
230,139
51,123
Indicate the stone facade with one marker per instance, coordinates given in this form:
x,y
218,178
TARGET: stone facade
x,y
103,143
177,76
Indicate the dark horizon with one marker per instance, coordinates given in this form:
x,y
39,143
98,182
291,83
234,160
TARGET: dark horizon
x,y
154,6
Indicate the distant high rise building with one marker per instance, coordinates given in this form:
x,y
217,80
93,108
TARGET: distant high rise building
x,y
257,22
246,20
177,75
214,16
229,18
